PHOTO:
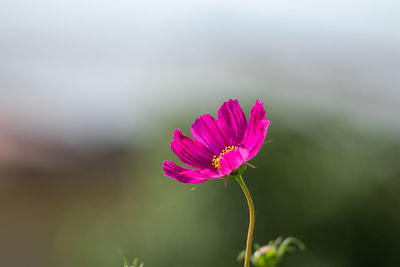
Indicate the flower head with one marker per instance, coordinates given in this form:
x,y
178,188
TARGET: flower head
x,y
219,146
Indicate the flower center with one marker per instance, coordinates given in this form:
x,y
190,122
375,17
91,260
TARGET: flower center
x,y
215,161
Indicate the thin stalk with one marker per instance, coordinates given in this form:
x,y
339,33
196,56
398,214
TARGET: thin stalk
x,y
251,222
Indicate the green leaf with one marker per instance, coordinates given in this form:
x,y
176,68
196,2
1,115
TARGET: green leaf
x,y
125,261
289,244
241,256
277,241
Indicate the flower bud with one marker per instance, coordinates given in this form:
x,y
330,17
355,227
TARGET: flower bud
x,y
266,256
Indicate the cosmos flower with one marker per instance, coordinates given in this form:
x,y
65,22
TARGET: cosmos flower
x,y
219,146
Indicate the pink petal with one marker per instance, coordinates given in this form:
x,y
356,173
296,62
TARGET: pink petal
x,y
191,152
232,160
232,121
185,175
207,131
256,130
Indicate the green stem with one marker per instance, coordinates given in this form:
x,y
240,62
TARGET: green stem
x,y
251,222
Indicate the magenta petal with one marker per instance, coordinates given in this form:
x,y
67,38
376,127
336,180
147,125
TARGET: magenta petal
x,y
256,130
185,175
207,131
232,160
191,152
232,121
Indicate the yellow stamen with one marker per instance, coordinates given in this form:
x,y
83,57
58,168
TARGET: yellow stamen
x,y
215,161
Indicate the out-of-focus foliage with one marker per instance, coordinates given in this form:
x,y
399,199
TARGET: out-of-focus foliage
x,y
127,263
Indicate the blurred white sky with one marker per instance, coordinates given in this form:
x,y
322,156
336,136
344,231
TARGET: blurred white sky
x,y
104,70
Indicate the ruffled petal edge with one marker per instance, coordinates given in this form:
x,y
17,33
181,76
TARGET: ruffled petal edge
x,y
256,129
232,121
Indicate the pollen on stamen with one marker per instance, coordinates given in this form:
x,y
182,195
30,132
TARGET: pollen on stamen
x,y
215,161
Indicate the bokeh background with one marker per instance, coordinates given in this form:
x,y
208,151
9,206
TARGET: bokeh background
x,y
90,92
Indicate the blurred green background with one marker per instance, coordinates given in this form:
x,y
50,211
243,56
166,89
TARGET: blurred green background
x,y
322,179
90,93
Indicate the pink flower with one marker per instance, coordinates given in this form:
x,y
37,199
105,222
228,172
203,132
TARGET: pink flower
x,y
220,146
